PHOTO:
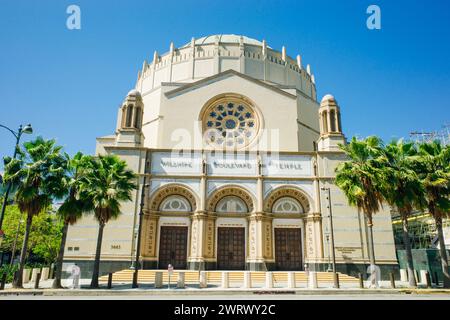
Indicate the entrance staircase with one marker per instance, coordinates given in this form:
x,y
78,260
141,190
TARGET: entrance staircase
x,y
236,278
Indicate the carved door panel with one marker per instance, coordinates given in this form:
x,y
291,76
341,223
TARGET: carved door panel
x,y
288,249
231,249
173,247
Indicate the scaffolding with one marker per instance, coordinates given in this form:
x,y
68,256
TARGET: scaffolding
x,y
421,226
421,229
443,135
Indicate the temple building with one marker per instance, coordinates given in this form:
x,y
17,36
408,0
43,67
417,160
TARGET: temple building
x,y
236,157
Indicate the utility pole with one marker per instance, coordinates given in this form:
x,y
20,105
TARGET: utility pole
x,y
333,256
141,214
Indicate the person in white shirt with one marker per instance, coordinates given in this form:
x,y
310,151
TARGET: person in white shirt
x,y
75,276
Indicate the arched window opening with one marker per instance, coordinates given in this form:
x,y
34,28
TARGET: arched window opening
x,y
287,205
231,205
175,204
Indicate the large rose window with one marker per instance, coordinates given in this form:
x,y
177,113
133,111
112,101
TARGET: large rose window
x,y
230,123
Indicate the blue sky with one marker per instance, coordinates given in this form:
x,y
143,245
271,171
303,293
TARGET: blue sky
x,y
69,83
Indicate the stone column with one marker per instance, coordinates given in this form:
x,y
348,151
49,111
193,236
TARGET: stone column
x,y
313,238
329,120
255,243
255,232
268,241
318,216
196,258
149,240
133,115
209,244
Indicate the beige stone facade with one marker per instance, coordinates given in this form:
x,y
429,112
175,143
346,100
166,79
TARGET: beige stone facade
x,y
236,150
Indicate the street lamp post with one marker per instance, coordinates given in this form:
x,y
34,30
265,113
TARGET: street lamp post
x,y
15,242
333,256
27,129
138,249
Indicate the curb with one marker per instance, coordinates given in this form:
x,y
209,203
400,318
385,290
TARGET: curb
x,y
175,292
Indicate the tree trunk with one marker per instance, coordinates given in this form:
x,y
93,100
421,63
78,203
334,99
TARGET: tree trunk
x,y
96,271
409,258
443,253
18,281
59,260
371,244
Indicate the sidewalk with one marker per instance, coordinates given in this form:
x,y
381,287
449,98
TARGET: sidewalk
x,y
148,289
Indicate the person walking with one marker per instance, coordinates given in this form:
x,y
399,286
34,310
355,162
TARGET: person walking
x,y
76,276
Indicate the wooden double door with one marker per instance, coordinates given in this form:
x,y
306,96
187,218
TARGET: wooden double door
x,y
288,249
173,247
230,248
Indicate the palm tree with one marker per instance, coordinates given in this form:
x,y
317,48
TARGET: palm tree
x,y
433,167
105,182
403,190
37,173
360,180
72,208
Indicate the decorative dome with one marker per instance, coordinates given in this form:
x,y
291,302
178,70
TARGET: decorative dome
x,y
327,97
225,38
134,92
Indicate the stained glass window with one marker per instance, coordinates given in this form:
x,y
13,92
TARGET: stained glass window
x,y
287,205
175,204
234,120
231,205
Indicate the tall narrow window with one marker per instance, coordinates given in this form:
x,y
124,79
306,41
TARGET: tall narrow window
x,y
129,116
325,122
137,118
333,120
124,115
339,122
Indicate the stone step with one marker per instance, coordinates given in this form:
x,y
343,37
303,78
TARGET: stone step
x,y
148,276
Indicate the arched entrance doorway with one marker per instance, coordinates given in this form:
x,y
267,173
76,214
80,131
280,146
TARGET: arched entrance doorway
x,y
288,207
172,207
173,240
231,206
231,240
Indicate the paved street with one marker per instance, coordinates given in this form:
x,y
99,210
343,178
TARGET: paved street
x,y
195,296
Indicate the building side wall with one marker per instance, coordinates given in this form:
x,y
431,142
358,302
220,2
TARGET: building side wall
x,y
307,122
118,239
